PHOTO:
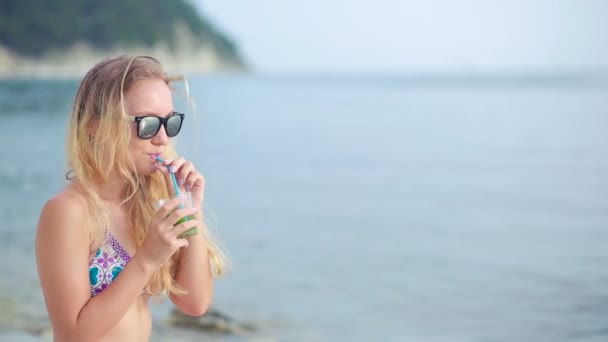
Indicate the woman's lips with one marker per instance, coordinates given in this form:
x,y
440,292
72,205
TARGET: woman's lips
x,y
154,155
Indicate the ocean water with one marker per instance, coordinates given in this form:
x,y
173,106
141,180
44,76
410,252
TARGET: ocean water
x,y
364,208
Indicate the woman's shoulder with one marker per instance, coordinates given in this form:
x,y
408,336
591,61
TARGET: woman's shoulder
x,y
65,212
67,201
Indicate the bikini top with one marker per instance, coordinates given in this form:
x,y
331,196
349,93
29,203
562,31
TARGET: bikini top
x,y
109,260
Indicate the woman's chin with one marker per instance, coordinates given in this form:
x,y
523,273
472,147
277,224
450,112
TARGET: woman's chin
x,y
147,170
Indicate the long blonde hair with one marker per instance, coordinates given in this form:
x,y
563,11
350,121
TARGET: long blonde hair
x,y
97,144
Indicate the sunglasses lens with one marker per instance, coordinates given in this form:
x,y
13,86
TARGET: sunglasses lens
x,y
174,124
148,127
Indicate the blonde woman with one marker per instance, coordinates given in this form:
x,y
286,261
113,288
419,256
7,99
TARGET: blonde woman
x,y
102,248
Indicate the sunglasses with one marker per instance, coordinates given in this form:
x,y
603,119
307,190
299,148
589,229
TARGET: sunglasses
x,y
149,125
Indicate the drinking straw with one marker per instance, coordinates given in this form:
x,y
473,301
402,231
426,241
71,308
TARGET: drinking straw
x,y
177,193
175,186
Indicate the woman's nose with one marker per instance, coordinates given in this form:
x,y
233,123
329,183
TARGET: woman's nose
x,y
161,138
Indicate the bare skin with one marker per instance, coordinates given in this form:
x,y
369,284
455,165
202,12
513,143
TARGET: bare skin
x,y
65,244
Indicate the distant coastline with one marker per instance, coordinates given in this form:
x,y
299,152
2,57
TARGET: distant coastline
x,y
65,39
77,60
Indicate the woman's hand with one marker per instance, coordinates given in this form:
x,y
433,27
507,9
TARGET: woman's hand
x,y
162,239
187,178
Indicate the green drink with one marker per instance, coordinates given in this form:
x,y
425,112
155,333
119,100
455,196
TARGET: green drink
x,y
190,232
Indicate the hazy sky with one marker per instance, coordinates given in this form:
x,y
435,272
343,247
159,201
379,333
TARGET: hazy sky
x,y
276,35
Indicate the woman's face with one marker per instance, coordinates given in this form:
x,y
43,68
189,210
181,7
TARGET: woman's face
x,y
148,97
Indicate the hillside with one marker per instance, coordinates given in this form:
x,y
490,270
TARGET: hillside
x,y
41,37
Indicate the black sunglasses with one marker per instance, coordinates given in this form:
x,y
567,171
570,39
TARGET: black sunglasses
x,y
149,125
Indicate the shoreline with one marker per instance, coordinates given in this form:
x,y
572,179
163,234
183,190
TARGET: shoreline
x,y
74,62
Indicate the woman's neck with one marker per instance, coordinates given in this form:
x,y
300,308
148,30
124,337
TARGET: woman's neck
x,y
114,192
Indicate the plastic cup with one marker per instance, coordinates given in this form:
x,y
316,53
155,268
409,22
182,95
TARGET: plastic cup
x,y
187,202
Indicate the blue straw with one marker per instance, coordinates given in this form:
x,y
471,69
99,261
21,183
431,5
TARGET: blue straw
x,y
175,186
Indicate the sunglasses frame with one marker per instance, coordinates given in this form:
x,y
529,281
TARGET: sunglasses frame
x,y
163,122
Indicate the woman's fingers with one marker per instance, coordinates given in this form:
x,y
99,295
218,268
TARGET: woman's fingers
x,y
194,178
169,206
179,243
182,168
175,165
184,172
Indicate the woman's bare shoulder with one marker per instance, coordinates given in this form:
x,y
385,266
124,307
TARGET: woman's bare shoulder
x,y
64,212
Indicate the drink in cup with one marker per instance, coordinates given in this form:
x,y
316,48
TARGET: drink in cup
x,y
188,203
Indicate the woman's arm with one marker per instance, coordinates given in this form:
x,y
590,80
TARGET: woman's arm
x,y
62,254
194,275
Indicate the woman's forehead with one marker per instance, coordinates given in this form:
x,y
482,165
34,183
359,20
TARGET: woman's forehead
x,y
150,96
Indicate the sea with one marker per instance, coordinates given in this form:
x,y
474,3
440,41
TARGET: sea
x,y
426,207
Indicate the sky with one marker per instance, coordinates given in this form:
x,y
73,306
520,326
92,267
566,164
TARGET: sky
x,y
391,35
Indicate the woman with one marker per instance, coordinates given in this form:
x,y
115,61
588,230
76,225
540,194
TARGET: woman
x,y
101,247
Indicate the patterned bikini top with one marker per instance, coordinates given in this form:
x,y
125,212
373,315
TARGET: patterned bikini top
x,y
109,260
